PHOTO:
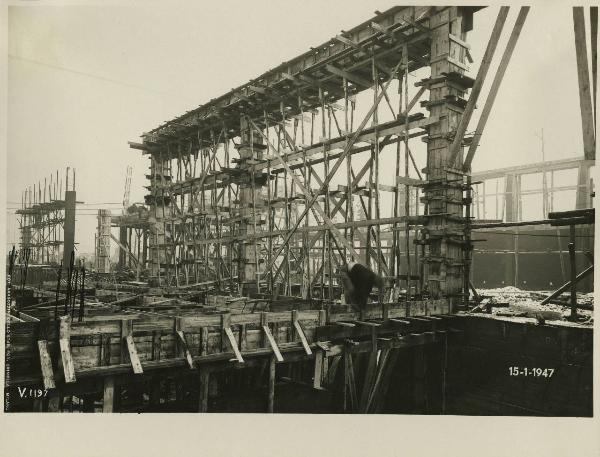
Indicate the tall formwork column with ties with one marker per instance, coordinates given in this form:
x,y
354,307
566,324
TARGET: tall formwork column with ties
x,y
251,206
444,191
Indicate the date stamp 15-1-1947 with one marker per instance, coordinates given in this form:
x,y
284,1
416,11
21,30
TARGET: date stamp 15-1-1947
x,y
531,372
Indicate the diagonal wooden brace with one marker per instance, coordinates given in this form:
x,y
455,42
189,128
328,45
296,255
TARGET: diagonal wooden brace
x,y
127,337
273,343
185,348
65,349
233,343
303,339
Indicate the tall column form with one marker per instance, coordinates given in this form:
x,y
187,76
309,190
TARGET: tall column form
x,y
69,226
251,206
444,192
159,202
103,240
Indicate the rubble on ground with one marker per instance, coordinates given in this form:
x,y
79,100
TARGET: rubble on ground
x,y
511,300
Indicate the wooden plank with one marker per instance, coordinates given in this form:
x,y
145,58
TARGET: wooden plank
x,y
127,337
185,348
46,365
233,343
272,342
302,337
65,349
27,317
567,285
318,373
409,181
348,42
459,42
585,95
133,355
349,76
108,402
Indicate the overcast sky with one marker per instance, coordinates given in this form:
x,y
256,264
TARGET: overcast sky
x,y
84,80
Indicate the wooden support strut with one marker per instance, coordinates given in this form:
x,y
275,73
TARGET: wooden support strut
x,y
65,349
127,338
510,47
234,346
183,343
300,332
585,95
479,81
272,343
227,332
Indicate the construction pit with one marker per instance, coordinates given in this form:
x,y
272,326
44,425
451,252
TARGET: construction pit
x,y
226,295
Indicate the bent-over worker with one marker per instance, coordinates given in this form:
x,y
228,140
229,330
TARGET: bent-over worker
x,y
358,281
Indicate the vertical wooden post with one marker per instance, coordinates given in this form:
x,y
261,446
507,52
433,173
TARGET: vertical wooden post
x,y
271,387
318,373
225,322
573,271
293,325
108,403
204,341
585,94
263,322
204,380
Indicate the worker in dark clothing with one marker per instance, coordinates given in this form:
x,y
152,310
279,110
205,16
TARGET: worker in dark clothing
x,y
358,281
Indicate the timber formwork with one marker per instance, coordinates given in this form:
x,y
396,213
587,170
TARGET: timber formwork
x,y
152,339
139,355
45,221
257,220
242,201
134,228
